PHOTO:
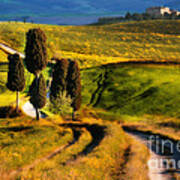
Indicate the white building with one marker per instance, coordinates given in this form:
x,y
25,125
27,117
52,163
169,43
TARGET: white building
x,y
177,13
161,11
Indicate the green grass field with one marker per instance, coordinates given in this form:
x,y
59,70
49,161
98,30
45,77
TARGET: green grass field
x,y
133,90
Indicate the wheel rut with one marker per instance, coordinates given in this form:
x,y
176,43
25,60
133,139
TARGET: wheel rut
x,y
101,86
76,136
97,132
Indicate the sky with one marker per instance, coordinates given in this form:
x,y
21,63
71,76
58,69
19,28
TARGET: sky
x,y
74,11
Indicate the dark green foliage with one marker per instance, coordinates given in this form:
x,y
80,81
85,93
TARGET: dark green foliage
x,y
36,53
110,20
59,76
66,78
16,79
128,16
135,17
36,61
37,92
74,84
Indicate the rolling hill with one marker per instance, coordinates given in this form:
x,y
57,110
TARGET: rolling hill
x,y
95,45
142,96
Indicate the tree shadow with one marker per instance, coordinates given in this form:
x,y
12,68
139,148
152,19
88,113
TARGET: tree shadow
x,y
97,132
3,63
15,128
9,112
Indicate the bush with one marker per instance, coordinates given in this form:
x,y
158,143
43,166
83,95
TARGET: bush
x,y
61,104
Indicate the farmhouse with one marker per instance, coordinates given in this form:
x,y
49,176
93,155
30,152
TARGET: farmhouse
x,y
161,11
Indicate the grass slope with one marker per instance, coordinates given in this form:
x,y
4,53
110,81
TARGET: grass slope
x,y
23,141
95,45
133,90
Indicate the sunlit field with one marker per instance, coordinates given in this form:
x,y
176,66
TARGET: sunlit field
x,y
143,96
96,45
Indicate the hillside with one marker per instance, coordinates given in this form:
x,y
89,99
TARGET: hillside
x,y
115,96
72,11
132,90
95,45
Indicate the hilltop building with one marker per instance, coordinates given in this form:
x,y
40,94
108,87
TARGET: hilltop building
x,y
161,11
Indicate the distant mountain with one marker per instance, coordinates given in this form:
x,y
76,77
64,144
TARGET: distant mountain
x,y
74,11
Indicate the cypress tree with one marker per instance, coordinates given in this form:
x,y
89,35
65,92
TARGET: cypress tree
x,y
36,61
37,92
128,16
74,85
59,76
16,79
36,53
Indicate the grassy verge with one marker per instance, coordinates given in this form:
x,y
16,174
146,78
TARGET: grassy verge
x,y
23,140
168,127
138,157
134,158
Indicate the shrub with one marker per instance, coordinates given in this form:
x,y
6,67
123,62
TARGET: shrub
x,y
61,104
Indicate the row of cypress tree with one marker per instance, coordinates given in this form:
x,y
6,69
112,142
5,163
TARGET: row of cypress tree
x,y
66,74
66,77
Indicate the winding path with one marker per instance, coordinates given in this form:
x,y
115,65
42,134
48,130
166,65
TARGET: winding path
x,y
29,110
160,164
9,50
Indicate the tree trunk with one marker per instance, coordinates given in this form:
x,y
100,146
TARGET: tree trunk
x,y
37,78
37,114
37,111
17,101
73,115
